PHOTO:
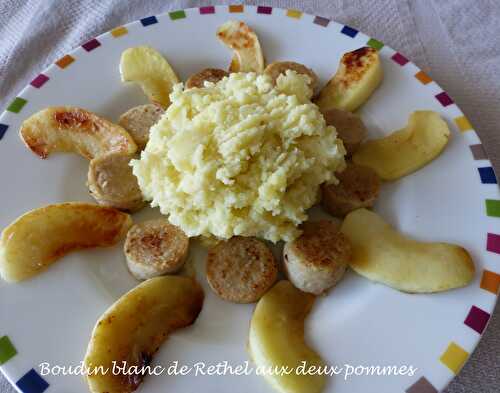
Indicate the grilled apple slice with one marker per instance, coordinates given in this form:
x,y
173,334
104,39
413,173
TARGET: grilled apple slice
x,y
38,238
359,74
133,328
147,67
234,65
277,339
239,37
382,254
72,129
406,150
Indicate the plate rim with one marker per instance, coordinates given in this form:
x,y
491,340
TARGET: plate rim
x,y
486,171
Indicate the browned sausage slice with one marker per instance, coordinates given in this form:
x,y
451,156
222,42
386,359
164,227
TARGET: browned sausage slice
x,y
154,248
241,269
350,128
208,74
358,187
317,259
280,67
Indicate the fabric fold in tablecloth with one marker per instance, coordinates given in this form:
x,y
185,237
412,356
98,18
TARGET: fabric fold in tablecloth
x,y
35,33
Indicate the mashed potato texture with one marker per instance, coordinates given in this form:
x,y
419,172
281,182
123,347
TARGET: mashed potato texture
x,y
240,157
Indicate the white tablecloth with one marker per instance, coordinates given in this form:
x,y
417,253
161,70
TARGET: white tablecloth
x,y
456,41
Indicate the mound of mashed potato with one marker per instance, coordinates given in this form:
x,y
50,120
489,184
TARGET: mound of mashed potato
x,y
240,157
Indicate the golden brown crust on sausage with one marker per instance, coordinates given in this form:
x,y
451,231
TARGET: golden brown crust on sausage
x,y
241,269
321,244
155,247
317,260
138,121
208,74
280,67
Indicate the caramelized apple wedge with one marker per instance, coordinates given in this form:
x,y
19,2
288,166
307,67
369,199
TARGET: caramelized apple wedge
x,y
359,74
276,339
40,237
382,254
239,37
406,150
147,67
72,129
134,327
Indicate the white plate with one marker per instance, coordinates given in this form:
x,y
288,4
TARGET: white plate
x,y
50,318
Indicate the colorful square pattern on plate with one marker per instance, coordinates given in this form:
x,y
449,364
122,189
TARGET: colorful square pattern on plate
x,y
493,207
264,10
349,31
294,14
487,175
150,20
65,61
39,81
32,382
321,21
16,105
3,129
176,15
91,45
236,8
375,44
423,77
454,357
7,350
119,31
399,59
477,319
478,152
207,10
463,123
444,99
490,281
421,386
493,243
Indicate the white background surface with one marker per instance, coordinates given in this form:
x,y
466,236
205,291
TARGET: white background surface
x,y
452,40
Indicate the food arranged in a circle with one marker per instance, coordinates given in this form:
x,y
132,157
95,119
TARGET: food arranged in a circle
x,y
236,158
